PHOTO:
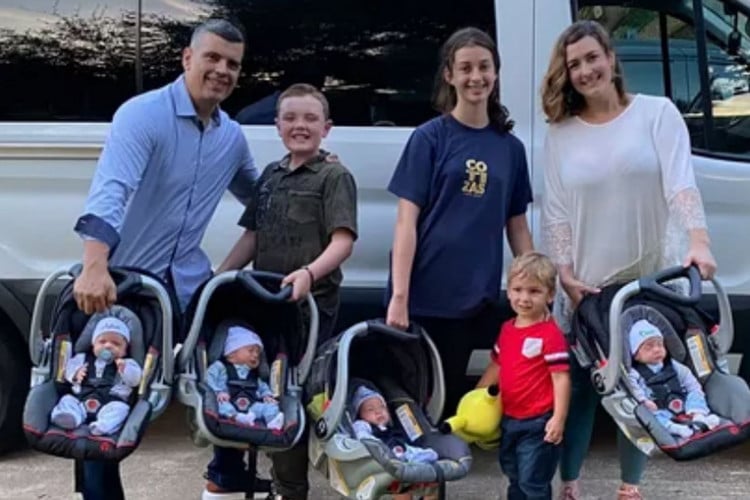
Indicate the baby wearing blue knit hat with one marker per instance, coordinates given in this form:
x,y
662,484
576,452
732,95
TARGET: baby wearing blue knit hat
x,y
374,421
665,386
101,379
242,395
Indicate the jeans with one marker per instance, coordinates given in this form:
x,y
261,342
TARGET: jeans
x,y
527,460
229,470
580,425
290,471
99,480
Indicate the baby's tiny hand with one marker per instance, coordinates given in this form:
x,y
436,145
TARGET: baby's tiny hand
x,y
222,397
269,399
80,374
650,405
120,363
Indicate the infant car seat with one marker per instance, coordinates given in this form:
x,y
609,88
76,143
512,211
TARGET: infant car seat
x,y
600,342
144,304
405,367
255,300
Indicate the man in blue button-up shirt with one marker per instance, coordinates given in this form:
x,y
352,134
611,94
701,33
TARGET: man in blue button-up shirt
x,y
170,156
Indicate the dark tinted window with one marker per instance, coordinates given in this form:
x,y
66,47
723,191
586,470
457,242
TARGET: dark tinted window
x,y
375,59
65,60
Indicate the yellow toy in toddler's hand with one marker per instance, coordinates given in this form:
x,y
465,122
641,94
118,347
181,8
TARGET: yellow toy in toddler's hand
x,y
477,418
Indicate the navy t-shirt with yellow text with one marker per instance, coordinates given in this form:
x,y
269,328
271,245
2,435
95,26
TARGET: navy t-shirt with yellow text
x,y
467,182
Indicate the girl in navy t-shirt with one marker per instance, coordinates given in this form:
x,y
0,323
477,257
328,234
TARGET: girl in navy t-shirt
x,y
461,181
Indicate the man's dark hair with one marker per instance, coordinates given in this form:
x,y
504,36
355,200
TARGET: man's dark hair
x,y
219,27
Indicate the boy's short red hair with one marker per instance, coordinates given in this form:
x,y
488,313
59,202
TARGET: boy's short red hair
x,y
301,90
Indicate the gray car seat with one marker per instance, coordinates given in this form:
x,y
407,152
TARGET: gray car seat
x,y
405,367
599,340
142,303
253,299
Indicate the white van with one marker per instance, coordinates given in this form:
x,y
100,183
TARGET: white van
x,y
65,67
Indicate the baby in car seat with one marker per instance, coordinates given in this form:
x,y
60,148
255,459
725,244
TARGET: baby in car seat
x,y
241,394
374,421
666,387
102,381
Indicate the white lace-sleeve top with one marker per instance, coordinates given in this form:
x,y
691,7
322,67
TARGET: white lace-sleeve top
x,y
620,196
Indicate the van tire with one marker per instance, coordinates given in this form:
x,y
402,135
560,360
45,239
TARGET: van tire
x,y
15,371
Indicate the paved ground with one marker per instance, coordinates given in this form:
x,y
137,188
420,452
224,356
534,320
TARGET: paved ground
x,y
168,467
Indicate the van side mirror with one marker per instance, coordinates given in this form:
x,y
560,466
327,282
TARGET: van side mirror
x,y
733,43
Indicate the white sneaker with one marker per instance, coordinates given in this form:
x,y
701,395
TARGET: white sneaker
x,y
276,422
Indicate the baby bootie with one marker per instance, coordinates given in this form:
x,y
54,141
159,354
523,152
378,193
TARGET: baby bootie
x,y
276,422
66,421
679,430
95,428
710,420
245,418
420,455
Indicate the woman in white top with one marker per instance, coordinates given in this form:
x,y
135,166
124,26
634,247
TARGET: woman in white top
x,y
619,193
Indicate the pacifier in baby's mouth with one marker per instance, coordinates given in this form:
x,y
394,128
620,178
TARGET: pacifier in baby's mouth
x,y
105,355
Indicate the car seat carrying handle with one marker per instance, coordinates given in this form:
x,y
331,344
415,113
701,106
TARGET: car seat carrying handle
x,y
606,375
655,284
379,326
126,281
249,280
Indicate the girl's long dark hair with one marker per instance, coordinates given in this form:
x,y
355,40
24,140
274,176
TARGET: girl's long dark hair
x,y
444,97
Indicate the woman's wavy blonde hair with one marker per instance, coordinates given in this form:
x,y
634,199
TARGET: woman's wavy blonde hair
x,y
559,99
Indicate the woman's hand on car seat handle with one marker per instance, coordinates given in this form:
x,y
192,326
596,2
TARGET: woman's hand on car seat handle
x,y
575,288
699,254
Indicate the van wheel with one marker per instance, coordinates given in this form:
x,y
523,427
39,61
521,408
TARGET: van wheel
x,y
15,370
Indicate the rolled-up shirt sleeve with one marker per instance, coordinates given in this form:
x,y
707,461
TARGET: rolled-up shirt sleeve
x,y
123,161
340,203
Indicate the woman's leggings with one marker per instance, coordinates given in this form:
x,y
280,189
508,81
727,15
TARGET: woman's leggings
x,y
579,427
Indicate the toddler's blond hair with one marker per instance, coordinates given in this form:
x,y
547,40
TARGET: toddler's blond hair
x,y
536,266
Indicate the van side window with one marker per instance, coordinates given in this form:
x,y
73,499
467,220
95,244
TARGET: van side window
x,y
640,36
374,59
66,61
